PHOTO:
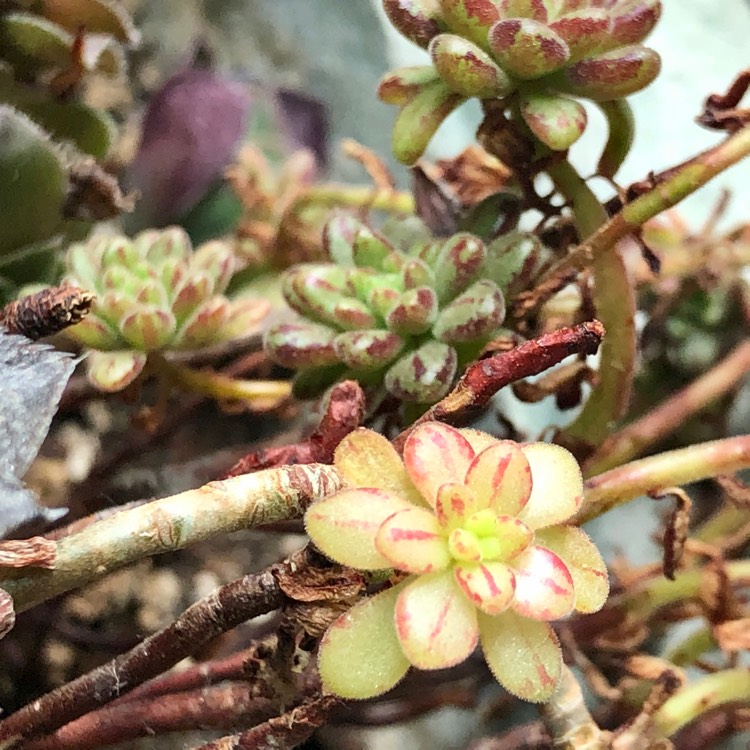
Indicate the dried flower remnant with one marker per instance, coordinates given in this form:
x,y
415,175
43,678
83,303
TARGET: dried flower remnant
x,y
546,54
478,524
154,293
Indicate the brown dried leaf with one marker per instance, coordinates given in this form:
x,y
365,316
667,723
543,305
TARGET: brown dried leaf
x,y
733,635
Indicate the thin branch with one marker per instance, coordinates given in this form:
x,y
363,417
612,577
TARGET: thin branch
x,y
636,437
171,523
221,707
485,378
687,179
224,609
283,732
683,466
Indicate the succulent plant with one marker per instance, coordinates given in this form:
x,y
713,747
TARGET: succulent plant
x,y
408,320
153,293
533,55
477,524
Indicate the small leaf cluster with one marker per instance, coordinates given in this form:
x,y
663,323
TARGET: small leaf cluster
x,y
407,319
153,293
533,54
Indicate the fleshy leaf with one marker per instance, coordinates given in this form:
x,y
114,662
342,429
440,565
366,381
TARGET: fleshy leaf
x,y
414,312
436,454
500,477
527,48
455,502
344,525
417,20
582,559
365,458
300,345
464,545
634,22
413,541
544,586
349,665
557,485
425,375
524,655
584,31
556,121
400,85
420,118
459,261
113,371
611,75
471,18
490,586
474,315
478,440
436,624
536,9
367,350
467,69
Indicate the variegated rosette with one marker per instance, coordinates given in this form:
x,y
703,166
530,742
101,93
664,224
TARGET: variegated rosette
x,y
537,56
478,524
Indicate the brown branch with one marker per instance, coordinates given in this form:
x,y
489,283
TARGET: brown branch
x,y
677,529
37,552
222,707
7,613
224,609
286,731
344,411
46,312
487,376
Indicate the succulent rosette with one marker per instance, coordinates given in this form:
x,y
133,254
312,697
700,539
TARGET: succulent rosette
x,y
406,320
478,526
538,55
153,293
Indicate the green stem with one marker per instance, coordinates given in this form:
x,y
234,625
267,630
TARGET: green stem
x,y
673,468
614,300
260,393
728,686
655,593
328,195
171,523
685,180
620,139
691,647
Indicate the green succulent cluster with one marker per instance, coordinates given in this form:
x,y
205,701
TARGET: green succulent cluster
x,y
532,54
153,293
406,319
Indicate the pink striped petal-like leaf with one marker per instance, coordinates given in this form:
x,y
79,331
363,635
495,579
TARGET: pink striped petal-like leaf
x,y
436,624
113,371
349,664
507,537
477,439
524,655
435,454
413,541
500,477
582,559
490,586
544,586
464,545
455,503
344,525
557,485
365,458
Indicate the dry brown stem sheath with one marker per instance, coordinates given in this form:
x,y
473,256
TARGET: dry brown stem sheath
x,y
46,312
37,552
